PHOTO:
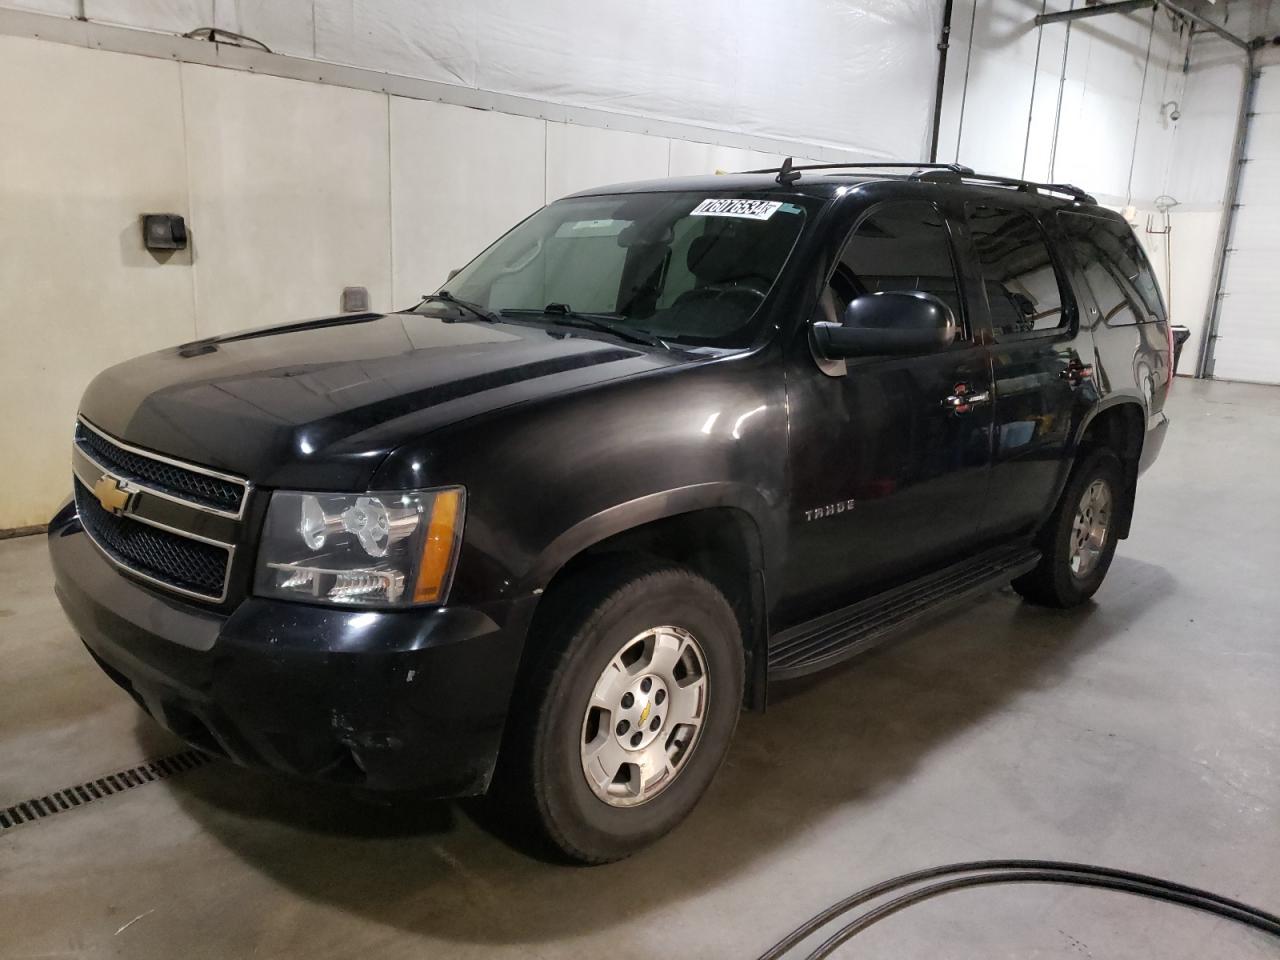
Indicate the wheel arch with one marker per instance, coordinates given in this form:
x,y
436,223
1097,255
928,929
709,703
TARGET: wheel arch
x,y
712,529
1119,426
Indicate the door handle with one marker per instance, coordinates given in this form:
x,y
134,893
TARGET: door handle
x,y
962,401
1076,372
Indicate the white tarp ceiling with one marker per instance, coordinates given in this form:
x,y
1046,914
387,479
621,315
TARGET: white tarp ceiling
x,y
857,74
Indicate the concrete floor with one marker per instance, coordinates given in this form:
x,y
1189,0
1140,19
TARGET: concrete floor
x,y
1142,731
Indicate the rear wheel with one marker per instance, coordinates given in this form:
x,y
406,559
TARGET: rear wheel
x,y
628,716
1078,541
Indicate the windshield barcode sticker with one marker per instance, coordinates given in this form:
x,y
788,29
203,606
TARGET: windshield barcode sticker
x,y
746,209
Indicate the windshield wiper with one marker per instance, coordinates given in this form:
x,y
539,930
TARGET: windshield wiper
x,y
444,296
596,321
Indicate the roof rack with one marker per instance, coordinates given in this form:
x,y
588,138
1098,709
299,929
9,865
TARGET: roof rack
x,y
1027,186
941,172
893,165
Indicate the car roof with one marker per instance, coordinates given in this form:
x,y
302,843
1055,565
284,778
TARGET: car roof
x,y
827,184
811,183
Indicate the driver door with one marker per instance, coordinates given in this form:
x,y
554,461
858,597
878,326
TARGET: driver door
x,y
889,476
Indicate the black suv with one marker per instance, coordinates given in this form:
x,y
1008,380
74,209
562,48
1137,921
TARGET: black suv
x,y
659,446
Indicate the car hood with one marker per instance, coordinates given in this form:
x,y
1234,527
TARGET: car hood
x,y
274,404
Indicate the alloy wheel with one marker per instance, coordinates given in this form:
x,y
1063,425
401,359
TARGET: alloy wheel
x,y
1090,529
645,716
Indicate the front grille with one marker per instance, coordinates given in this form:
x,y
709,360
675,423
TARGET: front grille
x,y
173,560
187,484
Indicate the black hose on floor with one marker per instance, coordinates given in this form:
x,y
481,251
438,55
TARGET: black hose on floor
x,y
976,873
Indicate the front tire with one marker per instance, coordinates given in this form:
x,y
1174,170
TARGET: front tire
x,y
625,721
1078,541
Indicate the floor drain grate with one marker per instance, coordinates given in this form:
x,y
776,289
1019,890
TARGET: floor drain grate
x,y
68,798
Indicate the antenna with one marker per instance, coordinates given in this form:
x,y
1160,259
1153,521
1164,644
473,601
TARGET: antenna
x,y
786,175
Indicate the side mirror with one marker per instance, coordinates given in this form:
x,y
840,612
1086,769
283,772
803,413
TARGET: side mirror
x,y
902,323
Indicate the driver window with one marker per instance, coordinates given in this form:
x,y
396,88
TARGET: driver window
x,y
898,247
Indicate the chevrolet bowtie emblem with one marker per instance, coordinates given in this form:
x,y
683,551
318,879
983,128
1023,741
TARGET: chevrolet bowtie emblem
x,y
111,495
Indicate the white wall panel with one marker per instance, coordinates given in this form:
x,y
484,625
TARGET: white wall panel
x,y
92,141
844,73
858,75
435,40
583,157
1011,108
1099,162
460,178
1193,246
59,8
693,159
286,26
1210,105
999,81
674,60
290,197
1039,144
171,16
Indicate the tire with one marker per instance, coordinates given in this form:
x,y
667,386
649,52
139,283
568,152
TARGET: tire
x,y
1067,576
554,732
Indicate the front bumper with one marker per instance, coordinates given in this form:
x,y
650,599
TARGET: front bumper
x,y
413,699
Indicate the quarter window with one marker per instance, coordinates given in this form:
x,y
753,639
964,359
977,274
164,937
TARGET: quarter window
x,y
1022,286
1110,256
899,247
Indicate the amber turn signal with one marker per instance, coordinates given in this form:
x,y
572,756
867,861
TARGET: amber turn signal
x,y
439,547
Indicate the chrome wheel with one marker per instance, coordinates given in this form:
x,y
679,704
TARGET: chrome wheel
x,y
1090,528
645,716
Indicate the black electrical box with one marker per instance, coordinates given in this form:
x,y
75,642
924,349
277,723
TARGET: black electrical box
x,y
164,231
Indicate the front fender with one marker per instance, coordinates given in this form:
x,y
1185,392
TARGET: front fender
x,y
548,479
647,509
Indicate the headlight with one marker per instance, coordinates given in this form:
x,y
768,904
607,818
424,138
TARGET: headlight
x,y
367,549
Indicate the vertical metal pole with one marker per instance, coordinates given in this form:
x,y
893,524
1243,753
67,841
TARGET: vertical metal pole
x,y
1062,86
1031,107
944,44
1231,202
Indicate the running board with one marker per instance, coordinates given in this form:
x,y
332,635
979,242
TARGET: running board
x,y
827,640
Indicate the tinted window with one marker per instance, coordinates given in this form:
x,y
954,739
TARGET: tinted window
x,y
1111,245
899,246
1116,308
1021,283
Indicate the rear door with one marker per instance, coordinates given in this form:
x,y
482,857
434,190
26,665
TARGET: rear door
x,y
1042,359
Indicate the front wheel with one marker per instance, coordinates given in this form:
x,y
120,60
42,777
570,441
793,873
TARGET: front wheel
x,y
629,715
1078,541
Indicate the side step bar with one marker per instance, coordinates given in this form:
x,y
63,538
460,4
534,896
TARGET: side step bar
x,y
827,640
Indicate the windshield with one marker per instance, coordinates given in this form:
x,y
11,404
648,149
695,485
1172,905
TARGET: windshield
x,y
680,266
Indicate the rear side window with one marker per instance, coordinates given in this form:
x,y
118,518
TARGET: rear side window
x,y
899,246
1023,288
1106,246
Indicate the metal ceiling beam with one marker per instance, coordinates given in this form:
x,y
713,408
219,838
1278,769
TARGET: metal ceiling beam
x,y
1128,6
1083,13
1207,24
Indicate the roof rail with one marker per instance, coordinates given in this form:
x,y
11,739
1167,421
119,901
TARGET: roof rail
x,y
943,172
1028,186
891,165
